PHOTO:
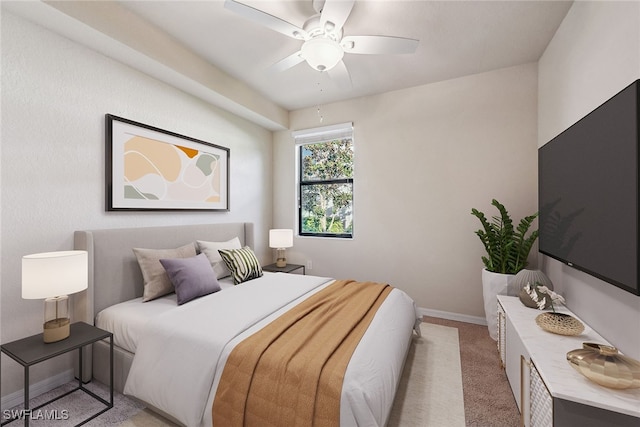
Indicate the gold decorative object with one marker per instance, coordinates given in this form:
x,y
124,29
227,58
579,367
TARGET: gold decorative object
x,y
559,323
604,365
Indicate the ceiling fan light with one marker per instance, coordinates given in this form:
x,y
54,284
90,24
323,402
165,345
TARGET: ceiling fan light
x,y
322,53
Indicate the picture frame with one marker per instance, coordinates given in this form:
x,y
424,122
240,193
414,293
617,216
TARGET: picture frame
x,y
152,169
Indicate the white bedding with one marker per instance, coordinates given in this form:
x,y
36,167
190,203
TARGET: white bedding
x,y
182,382
128,319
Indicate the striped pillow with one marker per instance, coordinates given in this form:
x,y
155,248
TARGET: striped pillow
x,y
243,264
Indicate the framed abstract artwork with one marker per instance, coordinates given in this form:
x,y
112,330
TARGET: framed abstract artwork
x,y
153,169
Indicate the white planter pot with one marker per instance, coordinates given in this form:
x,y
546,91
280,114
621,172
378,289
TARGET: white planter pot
x,y
493,284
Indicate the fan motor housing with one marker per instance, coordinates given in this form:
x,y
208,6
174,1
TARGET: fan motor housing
x,y
313,29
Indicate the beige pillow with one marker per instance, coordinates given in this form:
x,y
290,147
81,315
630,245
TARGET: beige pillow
x,y
156,281
210,249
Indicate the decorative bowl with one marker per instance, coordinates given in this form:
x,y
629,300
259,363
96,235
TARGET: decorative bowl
x,y
559,323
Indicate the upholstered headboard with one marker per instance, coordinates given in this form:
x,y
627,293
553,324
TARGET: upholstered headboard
x,y
114,274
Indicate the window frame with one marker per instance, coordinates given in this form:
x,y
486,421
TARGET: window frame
x,y
318,136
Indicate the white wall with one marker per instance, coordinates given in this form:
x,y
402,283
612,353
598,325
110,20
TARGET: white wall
x,y
594,54
424,157
54,97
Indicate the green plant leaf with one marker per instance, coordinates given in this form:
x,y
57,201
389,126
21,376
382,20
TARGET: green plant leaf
x,y
507,247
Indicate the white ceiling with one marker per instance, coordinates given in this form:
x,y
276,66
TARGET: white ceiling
x,y
457,38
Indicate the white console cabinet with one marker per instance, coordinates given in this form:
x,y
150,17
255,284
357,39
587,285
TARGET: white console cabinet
x,y
549,392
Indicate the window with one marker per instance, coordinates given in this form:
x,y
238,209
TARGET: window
x,y
325,178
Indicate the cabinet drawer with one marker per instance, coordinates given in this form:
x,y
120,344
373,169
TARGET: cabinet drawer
x,y
541,411
502,336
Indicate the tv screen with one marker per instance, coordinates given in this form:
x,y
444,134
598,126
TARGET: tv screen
x,y
588,192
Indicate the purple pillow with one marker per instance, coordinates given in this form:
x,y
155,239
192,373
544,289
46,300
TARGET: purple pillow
x,y
191,277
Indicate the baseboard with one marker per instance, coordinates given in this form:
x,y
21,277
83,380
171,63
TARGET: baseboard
x,y
452,316
48,384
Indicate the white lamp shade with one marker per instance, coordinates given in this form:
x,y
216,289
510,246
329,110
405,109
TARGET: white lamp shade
x,y
52,274
280,238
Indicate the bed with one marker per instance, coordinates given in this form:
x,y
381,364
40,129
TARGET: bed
x,y
196,339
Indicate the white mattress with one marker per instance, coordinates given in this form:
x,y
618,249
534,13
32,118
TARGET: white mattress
x,y
127,320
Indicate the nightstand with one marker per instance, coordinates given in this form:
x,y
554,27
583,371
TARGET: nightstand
x,y
286,269
33,350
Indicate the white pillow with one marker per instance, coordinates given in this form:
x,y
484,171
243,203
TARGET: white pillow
x,y
210,249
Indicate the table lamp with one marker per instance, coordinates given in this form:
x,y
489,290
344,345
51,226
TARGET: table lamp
x,y
281,239
53,276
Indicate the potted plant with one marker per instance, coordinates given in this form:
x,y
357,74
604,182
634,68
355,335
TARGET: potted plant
x,y
507,249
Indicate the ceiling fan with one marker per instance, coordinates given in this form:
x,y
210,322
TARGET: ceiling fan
x,y
324,44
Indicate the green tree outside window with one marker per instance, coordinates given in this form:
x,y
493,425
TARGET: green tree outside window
x,y
326,188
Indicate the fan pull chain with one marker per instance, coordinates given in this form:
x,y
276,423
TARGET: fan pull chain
x,y
320,117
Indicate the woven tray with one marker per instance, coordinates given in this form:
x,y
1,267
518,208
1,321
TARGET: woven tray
x,y
560,323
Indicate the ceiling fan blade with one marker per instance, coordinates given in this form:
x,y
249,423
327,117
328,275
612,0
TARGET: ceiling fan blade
x,y
266,20
335,14
340,74
378,45
288,62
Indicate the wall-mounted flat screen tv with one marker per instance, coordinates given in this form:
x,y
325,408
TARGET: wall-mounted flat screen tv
x,y
588,192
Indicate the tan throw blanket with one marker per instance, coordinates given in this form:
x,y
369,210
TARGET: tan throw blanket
x,y
290,373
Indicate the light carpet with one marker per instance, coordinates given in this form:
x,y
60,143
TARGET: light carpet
x,y
430,391
429,394
76,407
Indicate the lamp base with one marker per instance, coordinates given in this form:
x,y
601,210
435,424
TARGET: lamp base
x,y
281,260
56,330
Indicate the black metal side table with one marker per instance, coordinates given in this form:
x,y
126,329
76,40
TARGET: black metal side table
x,y
286,269
33,350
